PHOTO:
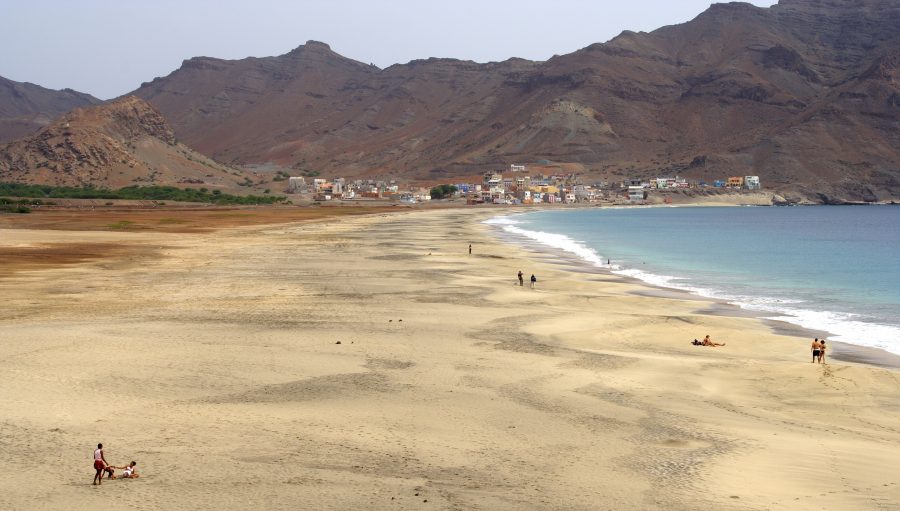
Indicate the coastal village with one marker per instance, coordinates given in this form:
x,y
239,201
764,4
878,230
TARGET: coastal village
x,y
515,186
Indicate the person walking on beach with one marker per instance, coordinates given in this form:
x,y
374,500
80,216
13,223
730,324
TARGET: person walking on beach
x,y
822,351
816,348
470,249
99,464
521,279
533,280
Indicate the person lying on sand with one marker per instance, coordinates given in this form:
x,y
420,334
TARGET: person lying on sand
x,y
128,471
708,342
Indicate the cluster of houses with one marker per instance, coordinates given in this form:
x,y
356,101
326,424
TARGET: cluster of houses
x,y
637,189
340,188
514,188
518,188
567,189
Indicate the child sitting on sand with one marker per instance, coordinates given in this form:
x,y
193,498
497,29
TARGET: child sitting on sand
x,y
128,471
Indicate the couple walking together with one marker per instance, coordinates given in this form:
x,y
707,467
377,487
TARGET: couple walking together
x,y
818,350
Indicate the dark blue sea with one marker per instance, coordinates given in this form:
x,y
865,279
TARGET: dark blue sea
x,y
829,268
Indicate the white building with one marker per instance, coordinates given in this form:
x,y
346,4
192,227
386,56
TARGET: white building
x,y
635,190
492,180
752,182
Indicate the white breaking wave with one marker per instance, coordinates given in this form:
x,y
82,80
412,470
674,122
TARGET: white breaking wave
x,y
843,327
560,241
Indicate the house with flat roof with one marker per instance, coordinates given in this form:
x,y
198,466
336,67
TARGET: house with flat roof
x,y
635,190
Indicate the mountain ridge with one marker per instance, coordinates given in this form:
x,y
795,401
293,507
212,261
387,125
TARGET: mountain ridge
x,y
804,94
740,87
26,107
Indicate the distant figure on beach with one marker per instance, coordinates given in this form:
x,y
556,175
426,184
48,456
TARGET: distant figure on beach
x,y
100,464
521,279
708,342
533,280
470,249
822,351
816,348
128,471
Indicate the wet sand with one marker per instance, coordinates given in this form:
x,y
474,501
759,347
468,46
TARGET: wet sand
x,y
370,362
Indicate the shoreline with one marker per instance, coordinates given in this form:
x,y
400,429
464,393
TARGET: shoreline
x,y
843,351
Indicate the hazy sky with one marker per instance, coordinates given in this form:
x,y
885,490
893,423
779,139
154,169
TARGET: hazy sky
x,y
108,47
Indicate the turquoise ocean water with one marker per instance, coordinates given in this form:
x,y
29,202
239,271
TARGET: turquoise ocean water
x,y
835,269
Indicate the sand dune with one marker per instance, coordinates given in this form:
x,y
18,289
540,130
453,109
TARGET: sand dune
x,y
212,359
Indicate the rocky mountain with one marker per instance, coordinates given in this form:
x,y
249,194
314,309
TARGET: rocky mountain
x,y
804,94
121,143
26,107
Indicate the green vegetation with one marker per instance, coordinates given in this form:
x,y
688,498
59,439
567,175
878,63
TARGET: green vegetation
x,y
14,208
281,176
24,202
19,206
155,193
443,191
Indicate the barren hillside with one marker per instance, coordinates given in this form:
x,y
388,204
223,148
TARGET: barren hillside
x,y
117,144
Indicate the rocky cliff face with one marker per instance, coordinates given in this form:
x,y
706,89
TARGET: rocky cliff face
x,y
25,107
117,144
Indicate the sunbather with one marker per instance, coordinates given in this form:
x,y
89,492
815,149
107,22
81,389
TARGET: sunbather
x,y
708,342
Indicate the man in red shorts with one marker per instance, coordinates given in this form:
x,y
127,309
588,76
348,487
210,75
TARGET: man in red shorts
x,y
99,464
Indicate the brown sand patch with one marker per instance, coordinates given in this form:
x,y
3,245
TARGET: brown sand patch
x,y
174,219
42,257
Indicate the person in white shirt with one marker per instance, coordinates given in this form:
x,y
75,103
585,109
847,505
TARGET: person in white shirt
x,y
100,464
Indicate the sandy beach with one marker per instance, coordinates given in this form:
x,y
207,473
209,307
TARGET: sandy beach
x,y
370,362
